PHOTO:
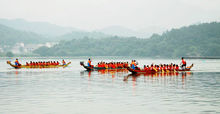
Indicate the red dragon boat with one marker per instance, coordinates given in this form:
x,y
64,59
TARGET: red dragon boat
x,y
139,71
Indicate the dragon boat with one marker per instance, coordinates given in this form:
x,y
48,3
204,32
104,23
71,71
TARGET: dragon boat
x,y
37,66
140,71
98,68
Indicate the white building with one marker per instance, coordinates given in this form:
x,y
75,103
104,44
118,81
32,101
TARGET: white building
x,y
21,48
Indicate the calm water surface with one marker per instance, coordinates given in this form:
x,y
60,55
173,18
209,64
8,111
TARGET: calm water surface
x,y
73,90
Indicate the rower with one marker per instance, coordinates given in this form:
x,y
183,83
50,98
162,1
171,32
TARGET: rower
x,y
146,68
44,63
132,64
113,65
31,64
183,64
27,64
98,65
57,63
64,63
151,67
47,63
89,62
177,68
17,63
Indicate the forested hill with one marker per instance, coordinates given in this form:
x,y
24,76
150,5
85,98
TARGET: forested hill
x,y
194,40
10,36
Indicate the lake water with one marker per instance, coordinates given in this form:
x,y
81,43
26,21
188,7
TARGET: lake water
x,y
73,90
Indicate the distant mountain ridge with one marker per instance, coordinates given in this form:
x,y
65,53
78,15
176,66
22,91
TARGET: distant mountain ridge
x,y
125,32
10,36
53,31
50,31
43,28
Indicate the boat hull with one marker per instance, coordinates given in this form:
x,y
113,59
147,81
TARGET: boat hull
x,y
37,66
141,71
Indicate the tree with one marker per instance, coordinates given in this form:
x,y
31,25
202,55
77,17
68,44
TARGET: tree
x,y
9,54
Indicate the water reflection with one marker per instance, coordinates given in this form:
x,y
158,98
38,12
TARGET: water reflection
x,y
112,72
166,77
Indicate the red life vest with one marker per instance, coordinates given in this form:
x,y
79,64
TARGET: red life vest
x,y
146,68
113,66
164,68
158,68
177,67
184,62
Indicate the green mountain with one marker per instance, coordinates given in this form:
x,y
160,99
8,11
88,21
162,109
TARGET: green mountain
x,y
10,36
194,40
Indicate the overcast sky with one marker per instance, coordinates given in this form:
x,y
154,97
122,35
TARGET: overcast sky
x,y
97,14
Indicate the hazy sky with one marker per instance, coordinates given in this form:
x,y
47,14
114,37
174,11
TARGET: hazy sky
x,y
96,14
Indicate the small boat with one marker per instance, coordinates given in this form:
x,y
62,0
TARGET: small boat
x,y
96,68
139,71
37,66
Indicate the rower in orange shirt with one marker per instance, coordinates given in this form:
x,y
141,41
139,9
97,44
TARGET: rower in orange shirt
x,y
89,63
146,68
31,64
133,64
113,66
64,63
177,68
17,63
